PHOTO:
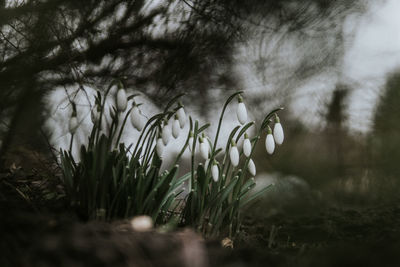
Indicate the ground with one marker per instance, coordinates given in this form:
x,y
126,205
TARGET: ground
x,y
38,229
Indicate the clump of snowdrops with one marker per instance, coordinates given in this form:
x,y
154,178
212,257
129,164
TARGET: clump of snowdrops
x,y
112,179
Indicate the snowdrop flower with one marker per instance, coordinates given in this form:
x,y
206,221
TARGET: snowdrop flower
x,y
278,131
176,127
95,115
269,142
191,140
252,167
166,133
215,171
137,119
204,147
181,116
159,147
73,124
234,154
241,111
246,145
73,121
121,100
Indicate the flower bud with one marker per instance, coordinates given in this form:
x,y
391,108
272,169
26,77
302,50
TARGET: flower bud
x,y
122,101
252,168
246,146
241,111
176,128
191,141
73,124
137,118
94,115
166,133
215,172
159,147
234,154
269,142
278,131
204,148
181,116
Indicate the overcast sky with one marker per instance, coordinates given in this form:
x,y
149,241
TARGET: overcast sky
x,y
374,53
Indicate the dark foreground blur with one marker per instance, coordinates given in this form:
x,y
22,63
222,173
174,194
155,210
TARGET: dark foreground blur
x,y
39,230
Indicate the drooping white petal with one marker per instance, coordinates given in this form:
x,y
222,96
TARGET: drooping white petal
x,y
122,101
181,116
176,128
241,113
137,119
204,149
246,147
142,121
270,144
278,133
191,140
159,147
166,133
215,172
73,124
252,168
234,155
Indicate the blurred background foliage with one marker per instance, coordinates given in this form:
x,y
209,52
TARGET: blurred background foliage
x,y
162,48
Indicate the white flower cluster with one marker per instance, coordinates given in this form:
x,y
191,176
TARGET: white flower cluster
x,y
166,131
173,129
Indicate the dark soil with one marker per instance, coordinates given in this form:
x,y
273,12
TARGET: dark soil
x,y
38,229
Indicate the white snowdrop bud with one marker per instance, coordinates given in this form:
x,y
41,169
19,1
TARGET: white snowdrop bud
x,y
142,121
159,147
215,172
142,223
269,142
204,148
234,154
122,101
246,146
181,116
278,131
176,128
241,111
94,115
73,124
137,118
191,140
166,133
252,167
